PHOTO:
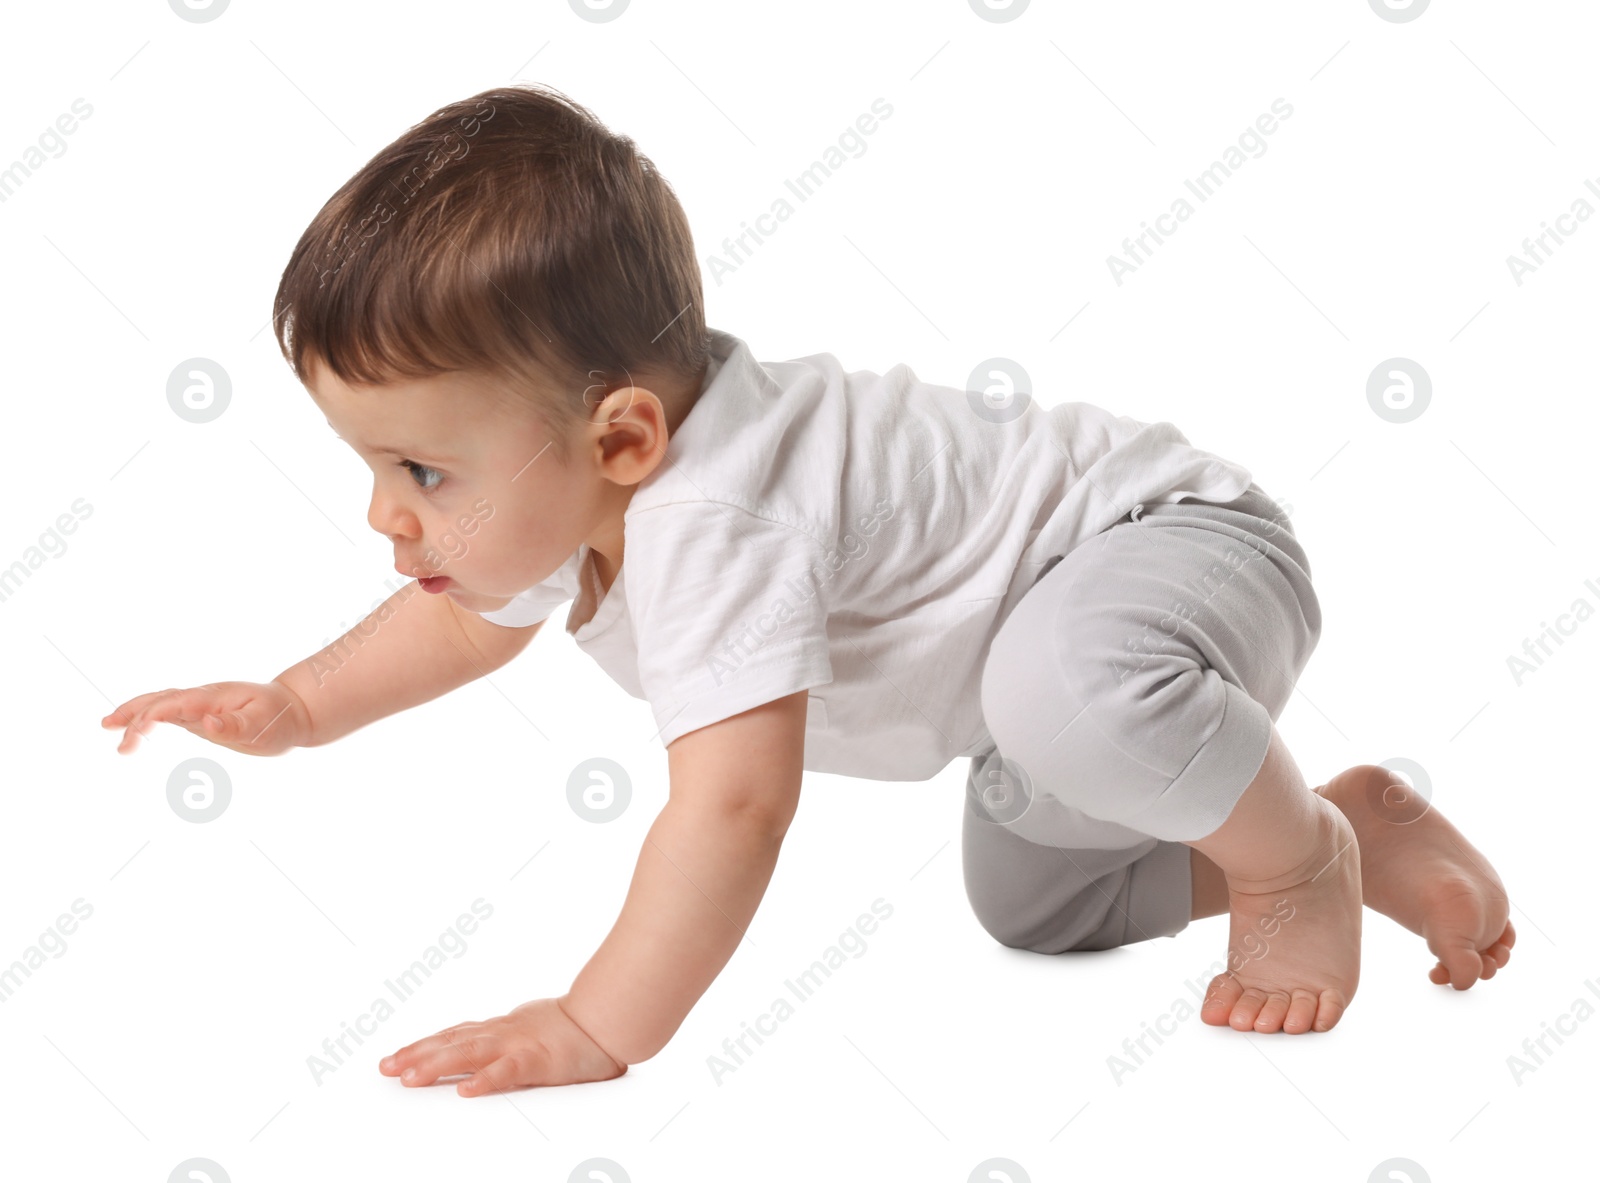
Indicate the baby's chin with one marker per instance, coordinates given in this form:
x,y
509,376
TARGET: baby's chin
x,y
475,601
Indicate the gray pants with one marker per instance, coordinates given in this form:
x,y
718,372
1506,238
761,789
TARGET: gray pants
x,y
1131,695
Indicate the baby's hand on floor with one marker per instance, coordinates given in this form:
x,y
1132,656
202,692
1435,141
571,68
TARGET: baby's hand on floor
x,y
536,1044
256,718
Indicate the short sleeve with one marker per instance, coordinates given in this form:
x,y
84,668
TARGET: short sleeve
x,y
728,609
530,607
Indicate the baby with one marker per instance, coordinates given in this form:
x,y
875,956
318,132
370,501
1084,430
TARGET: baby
x,y
501,314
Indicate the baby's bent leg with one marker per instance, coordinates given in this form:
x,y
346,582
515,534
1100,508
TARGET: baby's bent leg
x,y
1137,682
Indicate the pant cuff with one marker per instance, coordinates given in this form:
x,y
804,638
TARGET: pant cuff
x,y
1202,796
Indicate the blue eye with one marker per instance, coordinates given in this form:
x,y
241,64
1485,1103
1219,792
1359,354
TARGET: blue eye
x,y
415,469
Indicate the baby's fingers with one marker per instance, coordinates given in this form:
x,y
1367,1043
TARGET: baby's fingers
x,y
138,727
166,706
125,713
526,1066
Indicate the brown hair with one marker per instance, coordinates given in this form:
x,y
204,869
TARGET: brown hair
x,y
511,235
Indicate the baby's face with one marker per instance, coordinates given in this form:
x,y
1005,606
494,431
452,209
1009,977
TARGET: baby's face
x,y
463,486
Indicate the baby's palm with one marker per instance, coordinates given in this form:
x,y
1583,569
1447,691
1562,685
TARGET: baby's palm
x,y
256,718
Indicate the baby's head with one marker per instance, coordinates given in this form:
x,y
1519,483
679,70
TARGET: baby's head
x,y
501,312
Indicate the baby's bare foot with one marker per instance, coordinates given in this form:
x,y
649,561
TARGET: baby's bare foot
x,y
1294,943
1417,869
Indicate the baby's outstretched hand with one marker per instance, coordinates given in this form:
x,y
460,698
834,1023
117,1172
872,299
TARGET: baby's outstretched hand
x,y
257,718
536,1044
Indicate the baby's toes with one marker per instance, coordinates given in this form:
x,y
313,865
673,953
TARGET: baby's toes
x,y
1302,1012
1221,995
1272,1012
1462,964
1247,1008
1330,1009
1494,959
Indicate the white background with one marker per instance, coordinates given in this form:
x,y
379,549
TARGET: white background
x,y
978,222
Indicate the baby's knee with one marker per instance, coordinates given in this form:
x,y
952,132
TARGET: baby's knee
x,y
1086,921
1111,751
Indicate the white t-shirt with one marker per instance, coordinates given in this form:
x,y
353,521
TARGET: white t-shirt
x,y
857,535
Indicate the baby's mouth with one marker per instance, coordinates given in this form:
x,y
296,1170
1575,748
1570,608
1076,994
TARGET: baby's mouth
x,y
429,583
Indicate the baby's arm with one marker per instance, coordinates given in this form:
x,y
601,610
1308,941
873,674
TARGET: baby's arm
x,y
417,646
705,865
421,646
